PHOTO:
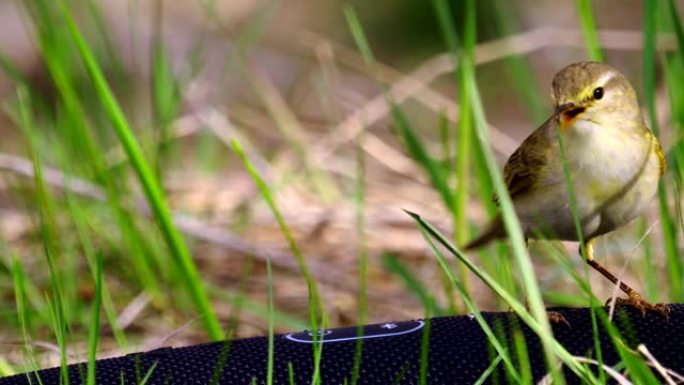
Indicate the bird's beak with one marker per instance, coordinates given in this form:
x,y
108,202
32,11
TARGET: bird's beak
x,y
569,111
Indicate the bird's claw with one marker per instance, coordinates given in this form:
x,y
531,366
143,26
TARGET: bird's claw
x,y
640,304
557,318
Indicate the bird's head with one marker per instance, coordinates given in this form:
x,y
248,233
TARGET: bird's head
x,y
595,93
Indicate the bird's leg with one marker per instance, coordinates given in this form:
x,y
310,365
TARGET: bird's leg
x,y
557,318
634,297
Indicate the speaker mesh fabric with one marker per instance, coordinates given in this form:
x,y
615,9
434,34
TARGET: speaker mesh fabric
x,y
459,353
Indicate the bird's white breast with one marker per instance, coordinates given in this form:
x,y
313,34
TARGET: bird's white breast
x,y
615,171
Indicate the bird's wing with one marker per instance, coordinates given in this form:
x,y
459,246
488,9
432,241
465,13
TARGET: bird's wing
x,y
525,164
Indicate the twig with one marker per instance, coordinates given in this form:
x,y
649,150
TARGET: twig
x,y
24,167
164,340
622,380
133,310
616,288
664,372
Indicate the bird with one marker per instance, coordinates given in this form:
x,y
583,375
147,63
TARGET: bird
x,y
613,161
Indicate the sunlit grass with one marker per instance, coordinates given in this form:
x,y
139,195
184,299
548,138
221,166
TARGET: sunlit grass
x,y
114,243
149,183
586,16
317,314
361,231
667,217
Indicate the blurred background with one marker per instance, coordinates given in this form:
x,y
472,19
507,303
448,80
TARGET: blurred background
x,y
286,80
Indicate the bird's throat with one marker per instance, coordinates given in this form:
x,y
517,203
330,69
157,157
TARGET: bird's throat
x,y
569,117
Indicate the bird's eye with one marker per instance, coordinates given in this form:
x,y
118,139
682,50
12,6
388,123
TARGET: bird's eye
x,y
598,93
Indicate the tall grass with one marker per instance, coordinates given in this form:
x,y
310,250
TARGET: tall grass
x,y
55,301
586,16
361,231
317,315
669,226
149,183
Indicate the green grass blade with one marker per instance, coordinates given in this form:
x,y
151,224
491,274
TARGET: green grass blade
x,y
674,77
48,228
677,25
317,315
271,336
23,311
59,327
591,39
95,322
668,225
649,56
488,372
293,131
522,355
361,231
150,186
256,308
290,373
518,67
392,264
411,140
517,241
465,63
553,345
11,70
428,235
634,365
424,350
419,152
77,146
569,184
166,102
285,230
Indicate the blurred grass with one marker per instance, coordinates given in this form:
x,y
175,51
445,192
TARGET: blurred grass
x,y
317,314
361,233
667,220
58,306
117,253
586,16
150,184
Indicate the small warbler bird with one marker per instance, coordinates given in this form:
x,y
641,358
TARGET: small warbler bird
x,y
613,159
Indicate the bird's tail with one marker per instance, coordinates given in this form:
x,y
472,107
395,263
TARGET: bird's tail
x,y
495,231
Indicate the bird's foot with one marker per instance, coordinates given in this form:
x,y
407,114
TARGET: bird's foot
x,y
556,317
642,305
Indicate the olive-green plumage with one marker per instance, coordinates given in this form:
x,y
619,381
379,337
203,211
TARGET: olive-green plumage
x,y
613,158
614,161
